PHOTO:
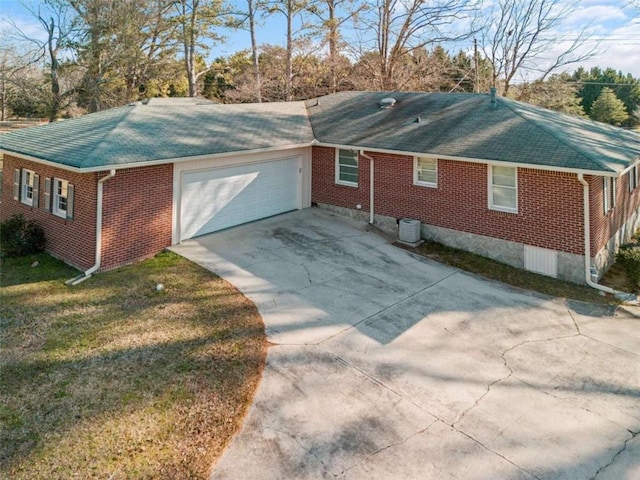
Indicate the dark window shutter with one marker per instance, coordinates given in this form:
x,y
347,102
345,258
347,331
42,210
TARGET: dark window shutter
x,y
16,184
70,194
47,194
36,190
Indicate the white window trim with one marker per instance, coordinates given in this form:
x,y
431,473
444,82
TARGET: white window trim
x,y
490,191
608,193
54,207
415,173
23,186
337,168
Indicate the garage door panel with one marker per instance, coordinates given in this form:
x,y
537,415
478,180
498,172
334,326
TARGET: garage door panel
x,y
221,198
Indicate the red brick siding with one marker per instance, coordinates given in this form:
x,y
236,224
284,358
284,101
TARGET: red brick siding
x,y
605,225
549,204
137,209
71,240
324,188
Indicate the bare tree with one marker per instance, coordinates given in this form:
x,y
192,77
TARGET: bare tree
x,y
404,26
290,9
12,66
249,20
520,34
123,46
198,20
56,20
333,15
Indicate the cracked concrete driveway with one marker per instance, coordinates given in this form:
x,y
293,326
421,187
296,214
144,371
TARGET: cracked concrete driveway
x,y
388,365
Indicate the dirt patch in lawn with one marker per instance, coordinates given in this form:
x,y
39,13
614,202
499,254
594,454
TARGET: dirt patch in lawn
x,y
116,378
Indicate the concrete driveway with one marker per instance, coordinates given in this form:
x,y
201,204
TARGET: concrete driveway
x,y
387,365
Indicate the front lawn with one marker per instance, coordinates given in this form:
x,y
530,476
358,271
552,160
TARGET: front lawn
x,y
117,379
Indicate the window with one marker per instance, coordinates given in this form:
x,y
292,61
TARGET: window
x,y
632,176
347,167
608,193
26,187
58,197
425,171
503,188
60,191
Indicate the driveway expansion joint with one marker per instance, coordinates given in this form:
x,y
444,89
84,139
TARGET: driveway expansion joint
x,y
498,454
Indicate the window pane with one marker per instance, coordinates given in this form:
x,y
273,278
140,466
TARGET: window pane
x,y
504,197
426,170
348,156
505,176
348,161
349,174
348,177
60,189
348,166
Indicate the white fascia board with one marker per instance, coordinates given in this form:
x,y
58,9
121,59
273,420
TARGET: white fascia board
x,y
104,168
634,164
475,160
46,162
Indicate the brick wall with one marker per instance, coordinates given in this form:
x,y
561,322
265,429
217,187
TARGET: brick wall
x,y
71,240
549,204
605,225
137,209
137,214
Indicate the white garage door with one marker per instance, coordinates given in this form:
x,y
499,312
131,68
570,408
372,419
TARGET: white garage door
x,y
224,197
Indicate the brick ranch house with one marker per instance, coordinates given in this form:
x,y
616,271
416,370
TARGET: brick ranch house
x,y
526,186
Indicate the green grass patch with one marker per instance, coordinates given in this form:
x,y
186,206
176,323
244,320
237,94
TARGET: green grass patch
x,y
115,379
494,270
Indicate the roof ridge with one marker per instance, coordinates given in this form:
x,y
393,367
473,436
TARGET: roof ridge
x,y
586,153
127,109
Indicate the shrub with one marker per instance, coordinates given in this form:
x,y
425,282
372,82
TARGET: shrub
x,y
20,237
628,257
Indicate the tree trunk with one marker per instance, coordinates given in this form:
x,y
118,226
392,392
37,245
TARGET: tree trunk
x,y
55,83
289,79
333,47
3,98
189,39
254,52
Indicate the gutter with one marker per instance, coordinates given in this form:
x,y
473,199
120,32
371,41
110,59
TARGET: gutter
x,y
87,274
546,168
587,240
371,186
150,163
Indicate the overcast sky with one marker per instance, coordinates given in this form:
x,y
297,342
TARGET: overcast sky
x,y
615,26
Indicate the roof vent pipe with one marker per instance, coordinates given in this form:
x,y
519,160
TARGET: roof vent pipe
x,y
387,102
494,102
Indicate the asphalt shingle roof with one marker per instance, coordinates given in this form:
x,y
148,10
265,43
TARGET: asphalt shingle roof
x,y
446,124
466,125
165,129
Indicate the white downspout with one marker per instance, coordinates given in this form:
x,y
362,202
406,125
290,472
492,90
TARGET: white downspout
x,y
587,239
83,276
371,186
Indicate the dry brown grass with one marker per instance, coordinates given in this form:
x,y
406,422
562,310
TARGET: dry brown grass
x,y
113,379
513,276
